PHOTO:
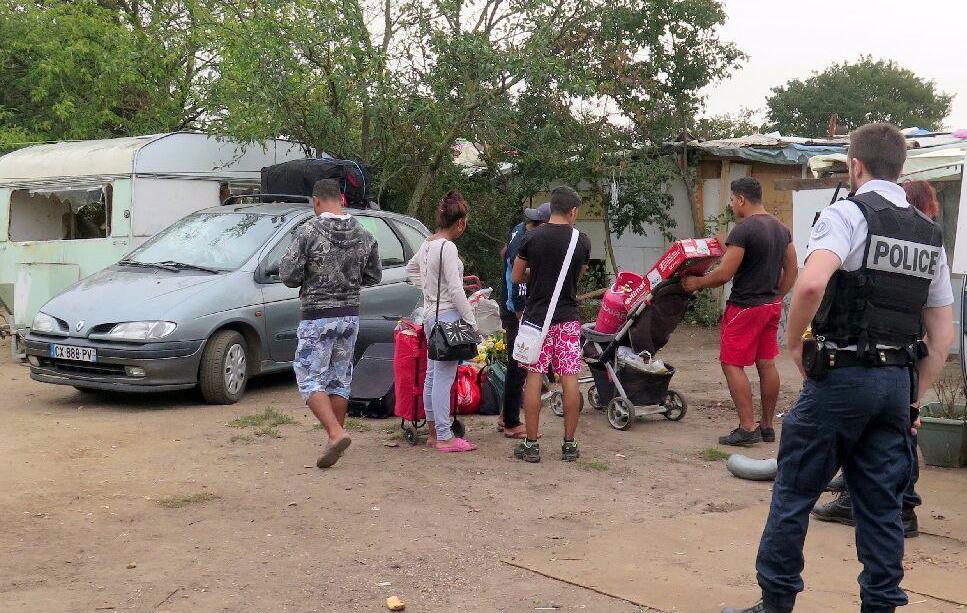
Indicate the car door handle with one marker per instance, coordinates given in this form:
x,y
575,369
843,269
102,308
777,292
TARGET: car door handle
x,y
286,336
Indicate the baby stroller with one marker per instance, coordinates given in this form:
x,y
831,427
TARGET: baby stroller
x,y
624,391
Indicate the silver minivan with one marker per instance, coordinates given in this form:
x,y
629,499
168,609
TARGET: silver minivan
x,y
201,304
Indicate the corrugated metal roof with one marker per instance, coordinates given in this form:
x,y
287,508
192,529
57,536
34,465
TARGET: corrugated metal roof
x,y
777,149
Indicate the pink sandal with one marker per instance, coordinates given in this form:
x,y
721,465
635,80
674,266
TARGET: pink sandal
x,y
458,446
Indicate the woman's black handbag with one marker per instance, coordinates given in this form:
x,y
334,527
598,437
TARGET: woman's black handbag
x,y
450,341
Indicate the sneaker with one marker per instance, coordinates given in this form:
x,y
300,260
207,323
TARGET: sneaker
x,y
838,484
741,438
529,452
768,434
838,510
570,451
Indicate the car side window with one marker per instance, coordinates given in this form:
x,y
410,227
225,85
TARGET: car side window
x,y
271,262
413,236
390,248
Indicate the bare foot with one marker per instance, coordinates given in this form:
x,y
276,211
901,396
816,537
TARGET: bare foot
x,y
431,442
516,432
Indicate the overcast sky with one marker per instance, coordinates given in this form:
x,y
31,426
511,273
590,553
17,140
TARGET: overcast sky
x,y
786,39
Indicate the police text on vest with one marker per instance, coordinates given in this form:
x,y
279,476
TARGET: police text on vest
x,y
902,257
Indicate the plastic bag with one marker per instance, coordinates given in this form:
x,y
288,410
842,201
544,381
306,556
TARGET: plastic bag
x,y
628,357
487,313
465,395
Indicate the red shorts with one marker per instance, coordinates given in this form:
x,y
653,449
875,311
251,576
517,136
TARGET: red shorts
x,y
750,334
561,350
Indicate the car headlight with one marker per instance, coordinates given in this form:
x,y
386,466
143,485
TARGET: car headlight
x,y
44,323
142,330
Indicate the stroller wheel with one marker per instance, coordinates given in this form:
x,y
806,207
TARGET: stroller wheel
x,y
556,402
674,405
411,434
593,398
458,429
621,413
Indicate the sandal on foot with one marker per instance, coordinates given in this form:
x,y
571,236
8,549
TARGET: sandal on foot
x,y
334,452
458,446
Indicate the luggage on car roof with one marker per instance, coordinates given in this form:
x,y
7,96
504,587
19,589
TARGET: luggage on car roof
x,y
296,178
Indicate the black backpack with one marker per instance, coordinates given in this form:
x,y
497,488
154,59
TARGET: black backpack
x,y
296,178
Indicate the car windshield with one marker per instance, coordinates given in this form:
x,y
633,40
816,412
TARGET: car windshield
x,y
219,241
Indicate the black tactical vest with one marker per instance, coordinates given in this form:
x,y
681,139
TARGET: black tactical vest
x,y
882,302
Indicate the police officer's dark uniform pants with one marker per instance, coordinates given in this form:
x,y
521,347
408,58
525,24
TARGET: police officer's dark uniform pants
x,y
857,418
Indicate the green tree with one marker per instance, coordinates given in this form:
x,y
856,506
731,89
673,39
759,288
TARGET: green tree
x,y
866,91
86,69
727,125
397,83
578,91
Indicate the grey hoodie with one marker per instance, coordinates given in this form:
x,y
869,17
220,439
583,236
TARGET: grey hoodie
x,y
330,258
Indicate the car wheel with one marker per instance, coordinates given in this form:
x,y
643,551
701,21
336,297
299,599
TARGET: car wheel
x,y
224,368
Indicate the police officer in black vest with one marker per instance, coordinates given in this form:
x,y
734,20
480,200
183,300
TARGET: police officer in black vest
x,y
876,289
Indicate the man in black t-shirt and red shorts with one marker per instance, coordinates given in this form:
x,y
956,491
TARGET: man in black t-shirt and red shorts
x,y
760,260
539,262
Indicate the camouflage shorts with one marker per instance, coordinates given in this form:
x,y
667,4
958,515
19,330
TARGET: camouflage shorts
x,y
324,359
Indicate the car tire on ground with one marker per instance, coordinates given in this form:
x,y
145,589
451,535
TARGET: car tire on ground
x,y
223,374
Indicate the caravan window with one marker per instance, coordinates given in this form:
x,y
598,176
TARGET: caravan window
x,y
60,214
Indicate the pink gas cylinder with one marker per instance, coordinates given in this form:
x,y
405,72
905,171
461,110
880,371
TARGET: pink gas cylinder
x,y
613,312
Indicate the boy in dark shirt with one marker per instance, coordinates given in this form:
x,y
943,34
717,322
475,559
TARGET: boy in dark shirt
x,y
760,260
539,262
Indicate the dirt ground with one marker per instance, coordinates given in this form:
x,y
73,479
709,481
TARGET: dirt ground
x,y
154,503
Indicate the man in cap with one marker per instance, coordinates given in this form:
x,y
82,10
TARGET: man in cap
x,y
512,298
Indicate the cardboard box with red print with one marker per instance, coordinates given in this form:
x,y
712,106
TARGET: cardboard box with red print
x,y
687,257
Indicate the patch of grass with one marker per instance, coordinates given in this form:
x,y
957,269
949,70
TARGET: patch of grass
x,y
269,418
268,431
397,435
353,424
241,438
597,465
713,454
177,502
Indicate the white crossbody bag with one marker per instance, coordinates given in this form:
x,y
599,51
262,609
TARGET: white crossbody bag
x,y
530,338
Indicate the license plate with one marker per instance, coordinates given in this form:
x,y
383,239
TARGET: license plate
x,y
77,354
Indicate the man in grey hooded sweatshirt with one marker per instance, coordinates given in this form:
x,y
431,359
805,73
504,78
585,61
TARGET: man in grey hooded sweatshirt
x,y
330,258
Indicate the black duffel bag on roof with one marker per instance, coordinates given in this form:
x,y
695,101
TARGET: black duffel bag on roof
x,y
296,178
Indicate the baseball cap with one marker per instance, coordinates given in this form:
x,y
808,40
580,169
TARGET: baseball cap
x,y
541,214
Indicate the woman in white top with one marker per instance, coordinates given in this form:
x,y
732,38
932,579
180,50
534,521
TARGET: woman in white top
x,y
439,251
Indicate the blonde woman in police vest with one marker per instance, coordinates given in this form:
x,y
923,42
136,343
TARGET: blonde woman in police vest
x,y
876,278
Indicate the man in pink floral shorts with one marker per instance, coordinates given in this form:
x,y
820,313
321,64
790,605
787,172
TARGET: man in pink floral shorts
x,y
539,262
